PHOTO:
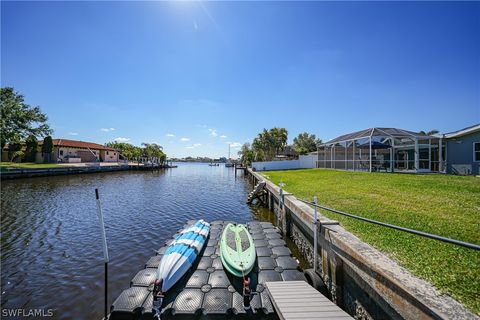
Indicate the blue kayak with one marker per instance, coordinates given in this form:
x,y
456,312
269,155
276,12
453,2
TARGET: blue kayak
x,y
182,253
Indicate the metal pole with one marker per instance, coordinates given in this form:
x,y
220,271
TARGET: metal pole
x,y
106,291
105,249
281,201
430,154
332,156
440,156
354,154
416,155
370,155
315,231
392,155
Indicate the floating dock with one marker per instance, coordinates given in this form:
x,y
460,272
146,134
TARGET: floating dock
x,y
207,291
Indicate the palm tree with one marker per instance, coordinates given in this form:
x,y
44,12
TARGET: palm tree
x,y
269,142
429,133
280,137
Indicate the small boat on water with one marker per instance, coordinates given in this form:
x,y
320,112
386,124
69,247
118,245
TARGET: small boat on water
x,y
178,258
237,250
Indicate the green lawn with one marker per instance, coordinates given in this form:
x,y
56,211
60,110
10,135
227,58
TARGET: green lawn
x,y
441,204
28,165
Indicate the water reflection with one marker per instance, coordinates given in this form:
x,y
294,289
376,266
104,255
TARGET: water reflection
x,y
51,253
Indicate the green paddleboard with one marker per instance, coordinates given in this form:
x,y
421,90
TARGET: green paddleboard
x,y
237,250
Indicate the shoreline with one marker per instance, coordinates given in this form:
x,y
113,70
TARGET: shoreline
x,y
10,174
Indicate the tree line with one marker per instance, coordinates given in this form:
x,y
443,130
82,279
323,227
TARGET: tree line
x,y
150,151
270,143
21,124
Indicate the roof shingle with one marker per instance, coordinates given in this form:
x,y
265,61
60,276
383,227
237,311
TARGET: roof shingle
x,y
80,144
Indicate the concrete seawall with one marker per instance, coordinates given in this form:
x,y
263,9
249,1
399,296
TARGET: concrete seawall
x,y
361,279
30,173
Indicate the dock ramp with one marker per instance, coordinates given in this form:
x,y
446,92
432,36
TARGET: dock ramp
x,y
297,300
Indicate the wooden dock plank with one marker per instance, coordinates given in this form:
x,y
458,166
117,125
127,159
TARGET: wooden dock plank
x,y
302,305
298,300
314,315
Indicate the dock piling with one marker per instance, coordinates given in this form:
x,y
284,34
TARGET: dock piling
x,y
105,248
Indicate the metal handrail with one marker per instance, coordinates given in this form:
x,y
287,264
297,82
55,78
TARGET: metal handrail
x,y
412,231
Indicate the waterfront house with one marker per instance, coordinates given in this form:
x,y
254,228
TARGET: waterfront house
x,y
72,151
383,149
399,150
463,151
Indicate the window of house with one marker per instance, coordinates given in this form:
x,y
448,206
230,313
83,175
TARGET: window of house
x,y
61,152
107,153
476,151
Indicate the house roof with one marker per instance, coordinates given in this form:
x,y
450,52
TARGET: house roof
x,y
79,144
380,132
287,151
463,132
74,144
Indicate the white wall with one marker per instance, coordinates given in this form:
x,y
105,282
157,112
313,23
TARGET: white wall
x,y
276,165
308,161
304,162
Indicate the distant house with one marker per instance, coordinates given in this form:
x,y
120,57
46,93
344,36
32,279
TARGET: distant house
x,y
73,151
463,151
80,151
286,153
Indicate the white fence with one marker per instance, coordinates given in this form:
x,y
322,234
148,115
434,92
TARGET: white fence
x,y
308,161
303,162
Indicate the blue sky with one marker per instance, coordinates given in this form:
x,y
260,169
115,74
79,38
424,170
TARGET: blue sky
x,y
193,76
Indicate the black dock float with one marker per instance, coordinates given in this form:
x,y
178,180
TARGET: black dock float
x,y
207,291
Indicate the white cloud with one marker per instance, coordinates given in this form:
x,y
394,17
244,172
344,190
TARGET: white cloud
x,y
235,145
170,135
184,139
223,136
107,129
213,132
73,133
193,146
121,139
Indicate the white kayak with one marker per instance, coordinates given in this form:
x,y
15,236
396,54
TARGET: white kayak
x,y
181,254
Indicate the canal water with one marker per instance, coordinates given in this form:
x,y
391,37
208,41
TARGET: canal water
x,y
50,239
